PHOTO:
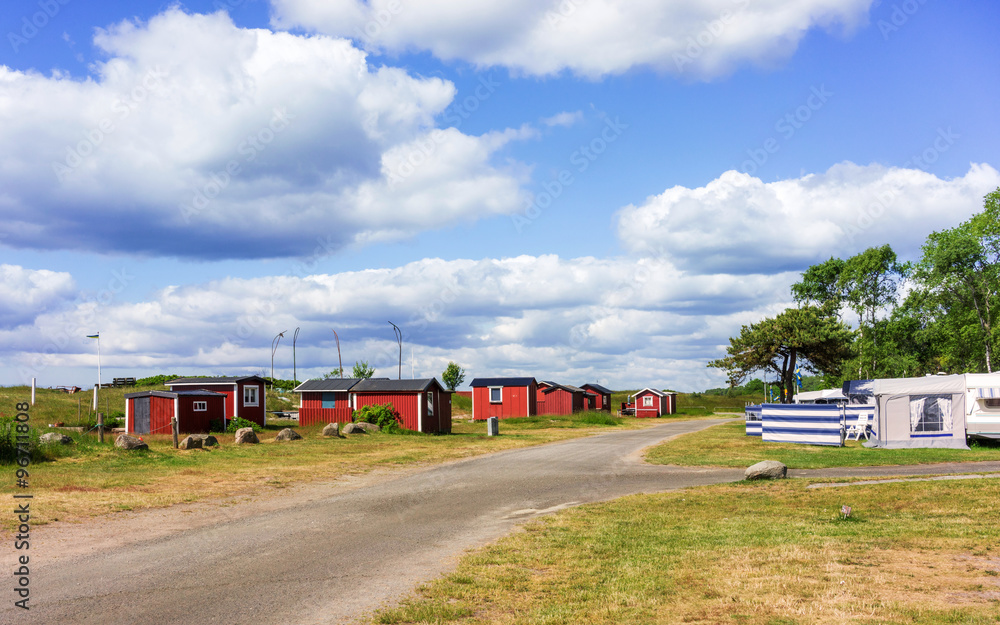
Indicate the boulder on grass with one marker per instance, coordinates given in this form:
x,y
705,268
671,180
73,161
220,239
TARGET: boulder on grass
x,y
124,441
767,470
207,440
288,434
332,429
368,427
55,438
190,442
246,435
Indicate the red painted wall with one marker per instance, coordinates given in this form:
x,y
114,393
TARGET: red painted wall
x,y
407,404
191,422
403,403
312,410
559,402
516,401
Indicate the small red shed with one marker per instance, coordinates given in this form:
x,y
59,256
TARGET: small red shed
x,y
326,401
423,405
602,400
151,412
559,399
503,398
653,403
244,395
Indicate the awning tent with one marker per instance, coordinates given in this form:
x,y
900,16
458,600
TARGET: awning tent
x,y
919,412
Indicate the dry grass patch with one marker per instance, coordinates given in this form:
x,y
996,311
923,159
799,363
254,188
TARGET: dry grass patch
x,y
745,553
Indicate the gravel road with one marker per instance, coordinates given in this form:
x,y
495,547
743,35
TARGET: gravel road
x,y
330,553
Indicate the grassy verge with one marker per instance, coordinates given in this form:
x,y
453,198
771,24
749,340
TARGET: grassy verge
x,y
727,445
751,554
88,478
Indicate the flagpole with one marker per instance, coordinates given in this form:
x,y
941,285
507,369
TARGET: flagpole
x,y
97,388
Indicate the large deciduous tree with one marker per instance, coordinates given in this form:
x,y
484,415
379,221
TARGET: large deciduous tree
x,y
960,270
811,337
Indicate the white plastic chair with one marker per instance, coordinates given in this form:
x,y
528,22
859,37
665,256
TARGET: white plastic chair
x,y
860,428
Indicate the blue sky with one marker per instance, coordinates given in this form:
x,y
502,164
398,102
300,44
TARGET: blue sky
x,y
578,190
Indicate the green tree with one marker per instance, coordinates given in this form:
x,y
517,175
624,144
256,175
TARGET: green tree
x,y
336,373
960,271
810,337
362,370
453,376
820,284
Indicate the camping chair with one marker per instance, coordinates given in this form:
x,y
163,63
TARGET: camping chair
x,y
860,428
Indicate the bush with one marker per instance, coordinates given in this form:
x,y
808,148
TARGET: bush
x,y
384,416
238,423
8,441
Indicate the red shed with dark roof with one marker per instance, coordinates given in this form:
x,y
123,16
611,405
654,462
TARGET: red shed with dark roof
x,y
602,400
503,398
244,395
560,399
151,412
423,405
326,401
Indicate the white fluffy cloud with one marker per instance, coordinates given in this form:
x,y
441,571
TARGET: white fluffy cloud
x,y
739,224
577,320
27,293
591,38
197,138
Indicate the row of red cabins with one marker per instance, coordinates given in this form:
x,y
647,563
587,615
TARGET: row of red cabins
x,y
524,397
423,405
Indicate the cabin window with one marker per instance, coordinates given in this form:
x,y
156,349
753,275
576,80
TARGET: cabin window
x,y
496,394
647,401
329,400
249,395
992,402
430,403
200,406
930,414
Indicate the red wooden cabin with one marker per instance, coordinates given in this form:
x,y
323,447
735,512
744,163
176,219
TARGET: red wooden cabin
x,y
602,401
423,405
503,397
560,399
326,401
151,412
244,395
653,403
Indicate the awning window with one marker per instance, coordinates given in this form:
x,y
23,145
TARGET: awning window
x,y
988,393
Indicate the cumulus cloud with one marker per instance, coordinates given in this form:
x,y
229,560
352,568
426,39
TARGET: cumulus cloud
x,y
565,118
196,138
592,38
27,293
739,224
572,319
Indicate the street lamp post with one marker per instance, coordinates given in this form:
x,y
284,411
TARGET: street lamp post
x,y
295,371
274,348
399,339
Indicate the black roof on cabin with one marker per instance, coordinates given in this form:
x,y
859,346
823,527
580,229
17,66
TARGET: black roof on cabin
x,y
598,388
502,382
393,386
329,384
563,387
214,380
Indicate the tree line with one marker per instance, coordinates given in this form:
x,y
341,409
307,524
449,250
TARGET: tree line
x,y
875,316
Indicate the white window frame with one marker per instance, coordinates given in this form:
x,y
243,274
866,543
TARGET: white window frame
x,y
200,406
430,403
256,395
499,389
647,401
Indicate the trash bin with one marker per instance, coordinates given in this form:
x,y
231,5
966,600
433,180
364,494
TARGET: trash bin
x,y
493,426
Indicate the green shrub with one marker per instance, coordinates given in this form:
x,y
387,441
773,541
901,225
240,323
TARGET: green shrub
x,y
238,423
8,441
384,416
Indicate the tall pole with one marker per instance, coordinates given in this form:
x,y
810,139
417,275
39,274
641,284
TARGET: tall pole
x,y
295,373
98,337
399,339
274,348
340,360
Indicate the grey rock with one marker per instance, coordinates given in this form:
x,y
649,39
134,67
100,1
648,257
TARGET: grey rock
x,y
288,434
207,440
353,428
55,438
124,441
332,429
247,436
368,427
766,470
190,442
